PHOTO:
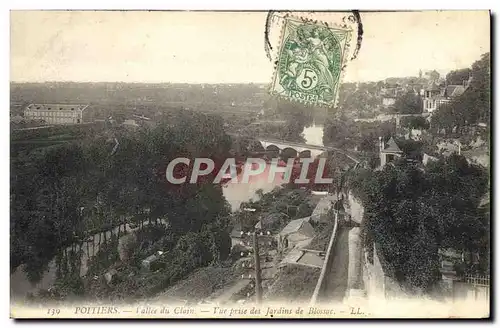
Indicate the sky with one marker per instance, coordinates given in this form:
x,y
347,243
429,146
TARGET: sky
x,y
223,47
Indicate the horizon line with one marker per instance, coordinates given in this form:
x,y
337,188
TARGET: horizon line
x,y
197,83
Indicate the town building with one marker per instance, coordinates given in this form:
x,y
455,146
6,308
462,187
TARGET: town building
x,y
136,121
435,95
269,222
130,124
389,96
322,209
236,235
388,101
388,151
295,232
58,113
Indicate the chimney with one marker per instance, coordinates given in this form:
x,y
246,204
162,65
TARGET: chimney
x,y
381,154
380,144
469,80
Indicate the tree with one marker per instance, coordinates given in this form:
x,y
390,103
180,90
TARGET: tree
x,y
411,212
443,119
368,144
49,186
480,85
297,117
457,77
470,108
340,133
433,75
358,100
408,103
415,122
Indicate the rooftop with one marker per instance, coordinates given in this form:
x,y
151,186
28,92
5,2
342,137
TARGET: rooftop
x,y
392,147
79,107
294,226
453,90
236,232
267,221
432,87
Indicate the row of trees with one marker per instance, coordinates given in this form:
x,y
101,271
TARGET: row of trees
x,y
348,134
412,212
59,193
295,117
359,99
408,103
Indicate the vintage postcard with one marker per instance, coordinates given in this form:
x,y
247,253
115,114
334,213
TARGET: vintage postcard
x,y
273,164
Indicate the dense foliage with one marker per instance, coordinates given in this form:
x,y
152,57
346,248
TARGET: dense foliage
x,y
63,193
359,100
412,211
283,204
348,134
472,107
415,122
408,103
457,77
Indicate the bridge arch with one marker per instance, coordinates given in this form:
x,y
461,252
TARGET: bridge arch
x,y
305,154
288,152
275,150
316,150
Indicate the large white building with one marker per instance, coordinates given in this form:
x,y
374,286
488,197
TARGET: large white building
x,y
435,96
57,113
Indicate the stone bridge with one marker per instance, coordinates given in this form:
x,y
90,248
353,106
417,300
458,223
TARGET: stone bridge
x,y
299,149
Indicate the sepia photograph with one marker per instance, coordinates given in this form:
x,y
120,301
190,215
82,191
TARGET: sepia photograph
x,y
250,164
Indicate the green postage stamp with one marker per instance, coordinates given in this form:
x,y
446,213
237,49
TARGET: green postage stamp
x,y
310,61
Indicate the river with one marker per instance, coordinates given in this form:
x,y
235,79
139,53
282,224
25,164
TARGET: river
x,y
236,193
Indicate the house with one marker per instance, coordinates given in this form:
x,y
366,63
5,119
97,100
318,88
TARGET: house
x,y
432,98
320,212
388,101
389,96
269,222
295,232
435,95
236,235
428,158
302,257
388,151
141,117
130,123
58,113
480,156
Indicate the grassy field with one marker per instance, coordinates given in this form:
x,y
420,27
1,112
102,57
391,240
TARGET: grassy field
x,y
200,284
294,284
322,236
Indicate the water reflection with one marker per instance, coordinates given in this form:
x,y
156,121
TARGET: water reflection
x,y
236,193
314,135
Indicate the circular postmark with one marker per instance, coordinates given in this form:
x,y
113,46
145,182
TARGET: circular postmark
x,y
353,19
